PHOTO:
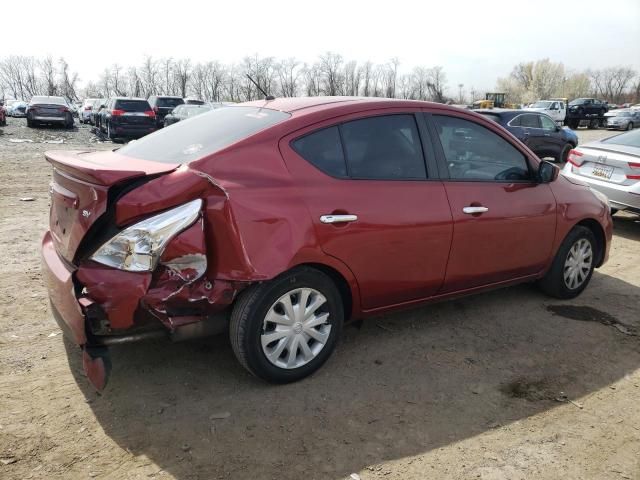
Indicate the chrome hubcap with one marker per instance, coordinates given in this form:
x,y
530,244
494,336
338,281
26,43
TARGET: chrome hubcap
x,y
296,328
578,263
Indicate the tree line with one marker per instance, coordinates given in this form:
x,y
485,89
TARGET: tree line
x,y
331,74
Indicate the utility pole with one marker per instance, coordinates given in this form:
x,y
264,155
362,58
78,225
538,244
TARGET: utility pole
x,y
460,99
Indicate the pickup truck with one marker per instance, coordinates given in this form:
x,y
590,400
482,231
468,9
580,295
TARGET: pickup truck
x,y
556,109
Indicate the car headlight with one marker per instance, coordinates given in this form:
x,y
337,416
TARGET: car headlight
x,y
137,248
602,197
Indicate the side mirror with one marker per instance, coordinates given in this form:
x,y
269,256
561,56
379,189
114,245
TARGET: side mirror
x,y
547,172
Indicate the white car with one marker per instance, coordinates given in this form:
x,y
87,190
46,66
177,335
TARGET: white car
x,y
556,109
610,166
84,111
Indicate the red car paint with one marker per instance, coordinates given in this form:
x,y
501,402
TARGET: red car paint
x,y
261,208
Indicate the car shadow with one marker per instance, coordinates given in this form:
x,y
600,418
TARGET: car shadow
x,y
627,225
402,385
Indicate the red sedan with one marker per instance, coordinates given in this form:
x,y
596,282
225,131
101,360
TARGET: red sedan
x,y
284,219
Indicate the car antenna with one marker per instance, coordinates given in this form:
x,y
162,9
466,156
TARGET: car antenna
x,y
266,95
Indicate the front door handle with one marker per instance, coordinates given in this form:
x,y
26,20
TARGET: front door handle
x,y
472,210
338,218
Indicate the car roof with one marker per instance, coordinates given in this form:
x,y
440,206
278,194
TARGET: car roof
x,y
130,98
309,104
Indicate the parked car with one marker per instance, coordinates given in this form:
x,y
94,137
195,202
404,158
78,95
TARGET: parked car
x,y
182,112
587,106
284,220
162,106
537,131
84,112
554,108
49,110
98,105
8,106
626,119
3,116
19,109
611,166
125,118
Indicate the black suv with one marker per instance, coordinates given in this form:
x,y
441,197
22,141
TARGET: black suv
x,y
587,106
163,106
125,117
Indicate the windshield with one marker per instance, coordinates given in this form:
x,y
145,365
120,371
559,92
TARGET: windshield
x,y
203,135
541,105
631,139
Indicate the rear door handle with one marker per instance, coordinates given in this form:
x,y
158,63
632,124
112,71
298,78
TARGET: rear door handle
x,y
472,210
338,218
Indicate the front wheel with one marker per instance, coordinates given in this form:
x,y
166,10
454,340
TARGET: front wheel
x,y
572,266
565,153
630,126
285,329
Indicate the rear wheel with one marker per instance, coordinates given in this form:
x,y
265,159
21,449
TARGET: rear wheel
x,y
69,121
572,266
285,329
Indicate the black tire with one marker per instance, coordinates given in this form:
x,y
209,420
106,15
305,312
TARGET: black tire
x,y
553,283
68,124
630,126
614,211
31,123
253,304
565,153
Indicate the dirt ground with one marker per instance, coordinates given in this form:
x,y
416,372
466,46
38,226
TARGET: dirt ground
x,y
505,385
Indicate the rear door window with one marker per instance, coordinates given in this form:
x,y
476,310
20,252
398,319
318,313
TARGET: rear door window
x,y
473,152
385,147
323,149
530,121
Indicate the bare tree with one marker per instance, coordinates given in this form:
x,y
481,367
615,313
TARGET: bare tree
x,y
49,76
288,72
332,74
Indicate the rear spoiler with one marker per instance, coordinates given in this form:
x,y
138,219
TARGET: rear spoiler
x,y
104,167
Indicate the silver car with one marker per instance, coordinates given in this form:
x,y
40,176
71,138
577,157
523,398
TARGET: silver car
x,y
622,119
610,166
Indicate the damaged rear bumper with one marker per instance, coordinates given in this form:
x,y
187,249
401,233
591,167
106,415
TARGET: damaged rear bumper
x,y
98,306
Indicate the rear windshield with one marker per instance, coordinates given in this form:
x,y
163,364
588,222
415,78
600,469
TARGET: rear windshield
x,y
169,102
631,139
203,135
50,100
132,105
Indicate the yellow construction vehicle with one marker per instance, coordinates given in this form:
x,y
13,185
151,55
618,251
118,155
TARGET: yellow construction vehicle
x,y
493,100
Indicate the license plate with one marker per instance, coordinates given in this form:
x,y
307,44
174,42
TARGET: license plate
x,y
602,171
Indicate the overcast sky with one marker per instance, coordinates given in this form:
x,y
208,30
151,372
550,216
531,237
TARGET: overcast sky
x,y
475,41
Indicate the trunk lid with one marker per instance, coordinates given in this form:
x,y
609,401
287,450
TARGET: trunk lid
x,y
611,166
80,188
